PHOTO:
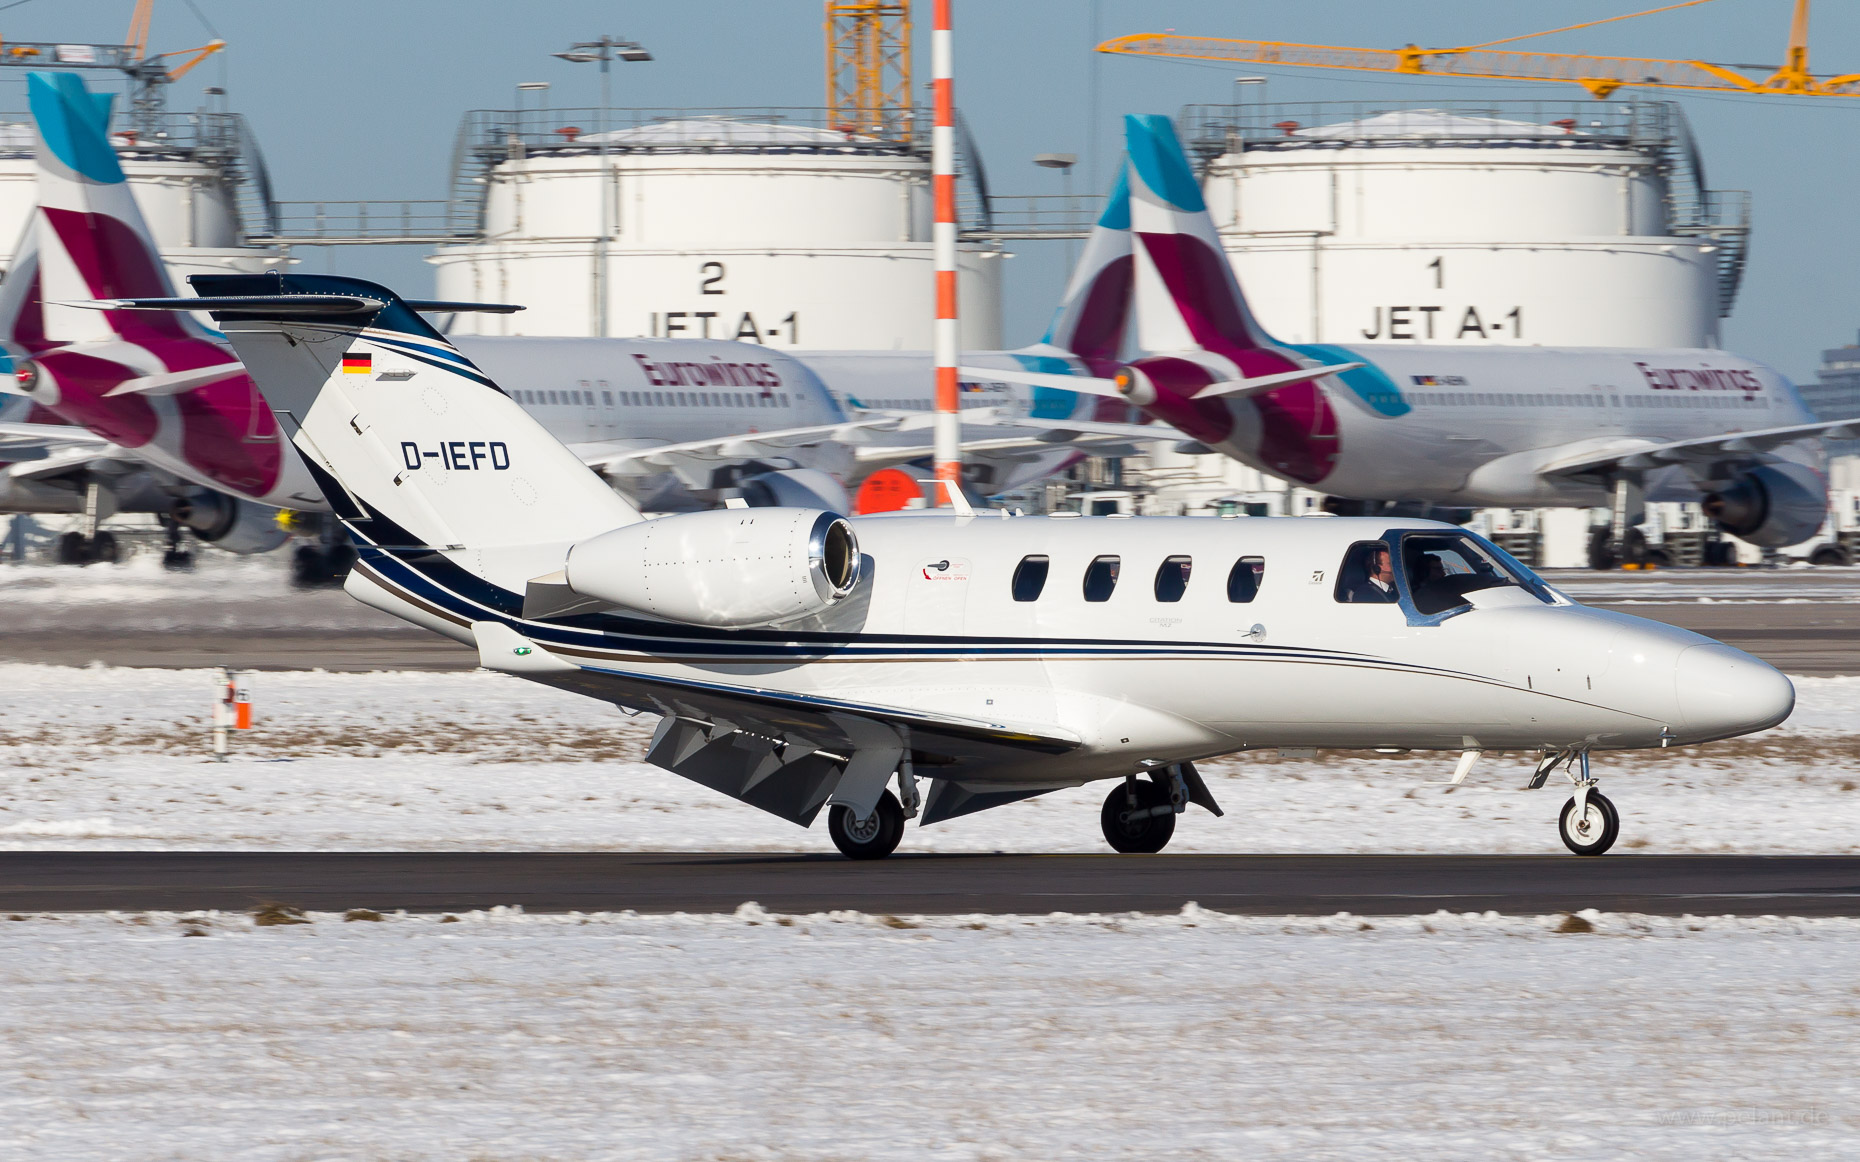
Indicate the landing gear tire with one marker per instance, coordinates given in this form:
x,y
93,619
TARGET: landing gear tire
x,y
873,838
177,560
315,566
77,549
1602,550
1130,828
1596,831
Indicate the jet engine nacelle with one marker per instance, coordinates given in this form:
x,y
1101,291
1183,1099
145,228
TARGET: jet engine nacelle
x,y
725,567
19,372
227,522
796,488
1770,505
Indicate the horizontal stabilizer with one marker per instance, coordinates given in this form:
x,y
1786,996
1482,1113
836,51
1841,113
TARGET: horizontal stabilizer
x,y
1261,383
289,305
176,382
1090,385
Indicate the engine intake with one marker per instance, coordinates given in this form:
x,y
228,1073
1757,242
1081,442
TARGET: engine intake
x,y
231,523
725,567
1770,505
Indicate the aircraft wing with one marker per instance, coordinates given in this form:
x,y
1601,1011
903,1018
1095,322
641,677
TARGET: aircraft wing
x,y
47,449
1057,430
1647,454
784,752
50,434
740,446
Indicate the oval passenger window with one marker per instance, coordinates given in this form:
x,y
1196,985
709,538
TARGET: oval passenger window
x,y
1172,578
1101,578
1030,578
1243,582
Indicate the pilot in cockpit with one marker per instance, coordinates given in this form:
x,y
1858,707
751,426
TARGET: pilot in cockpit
x,y
1377,577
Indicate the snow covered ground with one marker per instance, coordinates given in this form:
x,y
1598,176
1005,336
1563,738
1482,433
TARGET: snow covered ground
x,y
1198,1036
116,758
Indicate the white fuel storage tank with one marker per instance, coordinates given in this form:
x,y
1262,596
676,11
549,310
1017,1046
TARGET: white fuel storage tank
x,y
198,179
1493,222
768,226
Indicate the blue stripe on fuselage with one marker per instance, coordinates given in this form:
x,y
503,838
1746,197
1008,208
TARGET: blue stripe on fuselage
x,y
1050,403
1369,382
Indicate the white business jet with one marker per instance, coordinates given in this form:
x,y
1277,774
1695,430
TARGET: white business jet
x,y
800,659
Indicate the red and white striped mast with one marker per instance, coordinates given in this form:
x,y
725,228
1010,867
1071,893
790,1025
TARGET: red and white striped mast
x,y
946,341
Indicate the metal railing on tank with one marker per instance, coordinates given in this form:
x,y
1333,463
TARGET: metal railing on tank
x,y
1655,129
364,223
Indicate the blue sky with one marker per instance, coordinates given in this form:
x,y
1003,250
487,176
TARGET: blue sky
x,y
356,99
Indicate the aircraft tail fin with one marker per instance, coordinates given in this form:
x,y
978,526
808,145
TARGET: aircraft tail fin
x,y
1186,294
1092,316
90,237
416,449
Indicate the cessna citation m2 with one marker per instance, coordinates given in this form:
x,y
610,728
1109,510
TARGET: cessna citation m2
x,y
801,660
1455,426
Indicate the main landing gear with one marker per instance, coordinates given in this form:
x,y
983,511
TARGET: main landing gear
x,y
75,548
874,837
1589,823
1139,814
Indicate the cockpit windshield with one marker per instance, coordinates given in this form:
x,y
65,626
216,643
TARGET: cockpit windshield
x,y
1442,568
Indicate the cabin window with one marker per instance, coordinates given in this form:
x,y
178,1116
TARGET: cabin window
x,y
1172,578
1244,578
1367,576
1030,578
1101,578
607,399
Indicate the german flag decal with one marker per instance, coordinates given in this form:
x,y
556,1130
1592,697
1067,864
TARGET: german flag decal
x,y
357,363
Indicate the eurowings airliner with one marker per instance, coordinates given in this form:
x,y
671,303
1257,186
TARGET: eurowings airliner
x,y
1451,425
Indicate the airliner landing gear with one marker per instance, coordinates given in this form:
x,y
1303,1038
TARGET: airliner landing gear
x,y
175,556
873,838
77,549
325,560
1138,816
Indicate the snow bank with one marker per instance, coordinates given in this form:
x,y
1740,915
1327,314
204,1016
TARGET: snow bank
x,y
502,1036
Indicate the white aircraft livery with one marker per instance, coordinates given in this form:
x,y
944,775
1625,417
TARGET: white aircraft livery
x,y
801,660
1454,425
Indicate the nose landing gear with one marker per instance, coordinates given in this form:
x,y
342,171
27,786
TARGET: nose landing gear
x,y
1589,823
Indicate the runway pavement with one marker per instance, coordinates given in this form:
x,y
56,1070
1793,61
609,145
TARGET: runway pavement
x,y
931,884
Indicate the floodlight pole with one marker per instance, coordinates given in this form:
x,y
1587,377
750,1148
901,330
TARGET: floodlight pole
x,y
602,50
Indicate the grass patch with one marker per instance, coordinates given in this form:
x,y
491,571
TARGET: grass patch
x,y
274,915
1574,923
361,914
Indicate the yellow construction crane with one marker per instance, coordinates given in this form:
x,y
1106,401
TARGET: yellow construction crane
x,y
869,67
146,72
1600,75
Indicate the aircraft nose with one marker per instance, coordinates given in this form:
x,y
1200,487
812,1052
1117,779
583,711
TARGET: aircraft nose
x,y
1723,692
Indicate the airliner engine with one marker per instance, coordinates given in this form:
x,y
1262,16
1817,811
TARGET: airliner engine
x,y
726,567
226,522
1770,505
795,488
